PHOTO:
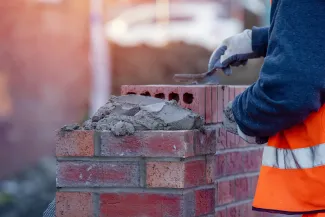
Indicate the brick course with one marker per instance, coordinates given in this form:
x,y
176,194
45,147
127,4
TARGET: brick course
x,y
206,100
98,174
141,204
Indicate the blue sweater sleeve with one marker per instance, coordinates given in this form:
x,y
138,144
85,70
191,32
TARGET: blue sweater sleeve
x,y
269,106
291,84
260,38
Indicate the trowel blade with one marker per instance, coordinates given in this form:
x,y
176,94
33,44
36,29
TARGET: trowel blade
x,y
209,77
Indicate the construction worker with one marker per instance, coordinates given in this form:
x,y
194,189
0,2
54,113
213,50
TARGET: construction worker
x,y
285,107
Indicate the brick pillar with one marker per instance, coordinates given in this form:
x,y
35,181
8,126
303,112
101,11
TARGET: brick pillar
x,y
160,173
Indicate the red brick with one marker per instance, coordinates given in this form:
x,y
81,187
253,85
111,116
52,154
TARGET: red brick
x,y
220,105
242,187
222,139
252,185
165,174
208,105
206,143
92,174
74,204
225,96
74,143
176,174
204,201
237,211
258,156
236,142
126,89
196,92
227,163
221,213
216,166
231,140
143,90
232,94
227,140
245,159
233,211
234,163
252,160
160,143
141,204
173,93
149,144
158,91
225,192
240,143
214,104
244,209
195,173
221,165
201,96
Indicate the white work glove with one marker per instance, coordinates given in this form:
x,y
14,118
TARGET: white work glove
x,y
230,125
233,51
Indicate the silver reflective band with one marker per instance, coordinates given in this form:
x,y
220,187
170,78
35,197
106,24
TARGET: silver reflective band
x,y
302,158
50,211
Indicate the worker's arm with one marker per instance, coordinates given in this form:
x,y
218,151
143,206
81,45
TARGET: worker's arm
x,y
276,102
291,84
260,39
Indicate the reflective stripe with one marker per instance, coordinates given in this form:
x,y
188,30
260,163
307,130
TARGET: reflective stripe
x,y
302,158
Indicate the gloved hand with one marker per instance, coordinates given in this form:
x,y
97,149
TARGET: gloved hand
x,y
230,125
233,51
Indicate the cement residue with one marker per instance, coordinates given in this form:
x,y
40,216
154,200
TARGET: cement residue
x,y
124,115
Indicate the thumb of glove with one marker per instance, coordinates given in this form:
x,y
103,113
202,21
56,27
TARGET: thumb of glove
x,y
215,62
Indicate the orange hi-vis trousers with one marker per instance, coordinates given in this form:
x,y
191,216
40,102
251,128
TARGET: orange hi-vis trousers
x,y
314,215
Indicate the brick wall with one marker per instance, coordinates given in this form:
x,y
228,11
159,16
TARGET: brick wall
x,y
160,173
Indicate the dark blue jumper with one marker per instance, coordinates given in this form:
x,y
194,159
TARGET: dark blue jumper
x,y
291,84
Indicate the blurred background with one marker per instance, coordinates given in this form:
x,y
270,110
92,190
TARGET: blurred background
x,y
61,59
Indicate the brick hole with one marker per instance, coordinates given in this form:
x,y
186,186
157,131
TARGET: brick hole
x,y
173,96
160,95
130,93
188,98
146,93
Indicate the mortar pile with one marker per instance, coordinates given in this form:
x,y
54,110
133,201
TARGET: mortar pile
x,y
124,115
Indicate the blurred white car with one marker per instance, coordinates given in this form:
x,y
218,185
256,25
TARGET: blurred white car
x,y
195,23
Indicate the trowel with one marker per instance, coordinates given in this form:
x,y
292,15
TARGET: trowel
x,y
209,77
